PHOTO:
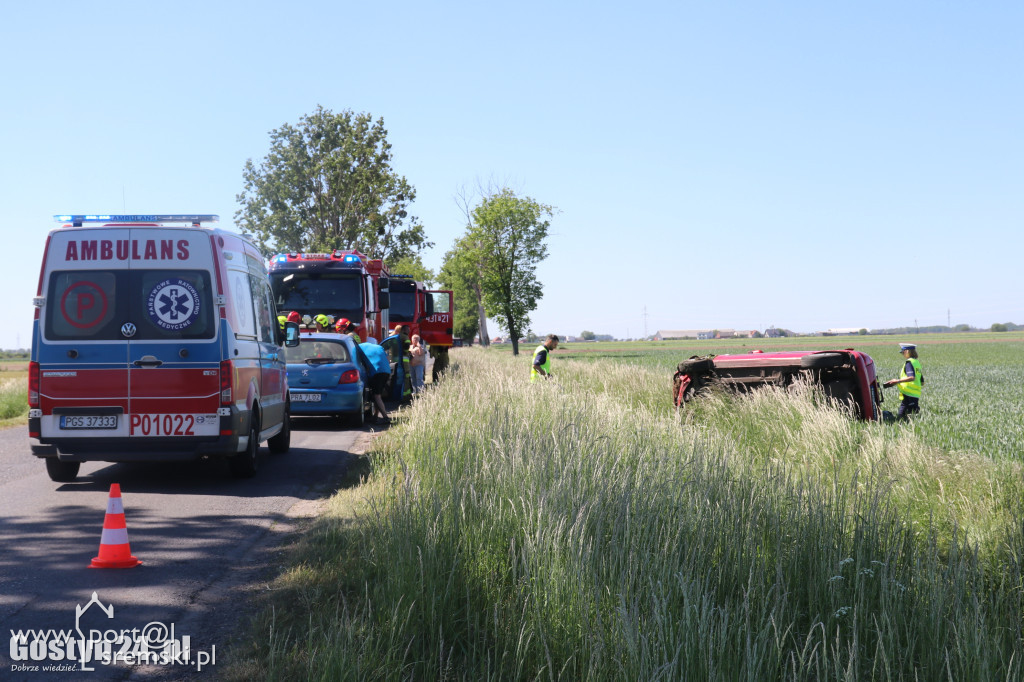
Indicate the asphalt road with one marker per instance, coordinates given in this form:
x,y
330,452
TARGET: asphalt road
x,y
206,541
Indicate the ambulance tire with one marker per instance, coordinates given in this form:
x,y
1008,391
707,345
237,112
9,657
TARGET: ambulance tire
x,y
245,464
62,472
282,442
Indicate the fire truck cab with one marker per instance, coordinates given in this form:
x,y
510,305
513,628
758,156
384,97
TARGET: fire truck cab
x,y
338,284
155,339
427,312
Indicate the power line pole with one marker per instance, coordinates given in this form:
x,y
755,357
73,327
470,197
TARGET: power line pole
x,y
645,322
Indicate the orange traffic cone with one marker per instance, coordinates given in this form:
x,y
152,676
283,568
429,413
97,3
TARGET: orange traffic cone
x,y
114,549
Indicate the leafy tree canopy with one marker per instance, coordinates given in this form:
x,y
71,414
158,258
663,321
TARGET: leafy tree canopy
x,y
328,184
587,335
509,232
413,265
461,273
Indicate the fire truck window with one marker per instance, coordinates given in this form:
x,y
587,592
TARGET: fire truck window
x,y
442,303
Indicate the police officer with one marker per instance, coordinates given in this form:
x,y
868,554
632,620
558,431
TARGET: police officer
x,y
542,358
910,382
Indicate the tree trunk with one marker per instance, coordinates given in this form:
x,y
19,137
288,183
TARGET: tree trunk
x,y
485,339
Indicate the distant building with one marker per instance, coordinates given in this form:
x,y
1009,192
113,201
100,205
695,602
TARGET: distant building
x,y
842,331
676,334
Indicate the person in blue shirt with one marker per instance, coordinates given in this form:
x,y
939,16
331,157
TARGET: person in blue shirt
x,y
378,369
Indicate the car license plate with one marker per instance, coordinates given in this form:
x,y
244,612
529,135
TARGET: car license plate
x,y
106,421
305,397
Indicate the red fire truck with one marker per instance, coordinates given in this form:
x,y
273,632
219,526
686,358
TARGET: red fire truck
x,y
427,312
338,284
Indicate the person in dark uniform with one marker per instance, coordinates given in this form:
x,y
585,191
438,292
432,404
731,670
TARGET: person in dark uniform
x,y
910,382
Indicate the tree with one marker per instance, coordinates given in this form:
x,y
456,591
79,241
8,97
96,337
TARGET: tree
x,y
587,335
962,328
414,267
328,184
508,234
862,331
999,327
460,272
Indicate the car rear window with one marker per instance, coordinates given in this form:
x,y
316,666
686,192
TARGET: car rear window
x,y
144,305
311,348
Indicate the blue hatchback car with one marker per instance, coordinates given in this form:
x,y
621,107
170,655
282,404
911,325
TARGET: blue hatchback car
x,y
325,378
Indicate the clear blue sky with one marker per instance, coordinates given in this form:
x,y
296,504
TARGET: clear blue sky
x,y
738,164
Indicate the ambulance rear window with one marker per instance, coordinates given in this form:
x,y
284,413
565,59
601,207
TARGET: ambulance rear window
x,y
142,305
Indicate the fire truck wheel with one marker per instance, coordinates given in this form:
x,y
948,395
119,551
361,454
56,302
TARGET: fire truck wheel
x,y
822,360
281,443
62,472
696,366
245,464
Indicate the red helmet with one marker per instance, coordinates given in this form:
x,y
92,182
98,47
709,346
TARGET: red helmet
x,y
294,317
341,325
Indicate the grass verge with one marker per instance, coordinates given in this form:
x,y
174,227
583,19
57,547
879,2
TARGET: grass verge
x,y
581,529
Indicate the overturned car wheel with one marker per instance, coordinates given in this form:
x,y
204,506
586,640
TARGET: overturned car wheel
x,y
822,360
696,366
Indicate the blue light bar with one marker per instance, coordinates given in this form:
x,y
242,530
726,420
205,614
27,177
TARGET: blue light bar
x,y
158,218
350,258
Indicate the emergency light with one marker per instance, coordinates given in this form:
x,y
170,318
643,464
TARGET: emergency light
x,y
158,218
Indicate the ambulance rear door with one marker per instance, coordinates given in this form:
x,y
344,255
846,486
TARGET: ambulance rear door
x,y
171,328
81,351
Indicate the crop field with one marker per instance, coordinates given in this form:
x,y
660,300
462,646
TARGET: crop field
x,y
973,399
581,528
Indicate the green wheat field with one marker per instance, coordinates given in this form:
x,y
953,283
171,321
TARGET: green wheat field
x,y
583,529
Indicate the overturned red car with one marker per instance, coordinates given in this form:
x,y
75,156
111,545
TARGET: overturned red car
x,y
846,375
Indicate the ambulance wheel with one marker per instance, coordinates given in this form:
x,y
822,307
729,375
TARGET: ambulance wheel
x,y
62,472
281,443
245,464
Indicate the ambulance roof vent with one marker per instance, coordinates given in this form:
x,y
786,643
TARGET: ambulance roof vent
x,y
192,219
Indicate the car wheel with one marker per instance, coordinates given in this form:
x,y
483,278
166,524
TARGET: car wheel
x,y
357,419
245,464
282,442
822,360
62,472
696,366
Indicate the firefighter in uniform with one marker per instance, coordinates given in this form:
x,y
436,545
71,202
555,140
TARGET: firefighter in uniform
x,y
542,358
440,357
404,349
910,382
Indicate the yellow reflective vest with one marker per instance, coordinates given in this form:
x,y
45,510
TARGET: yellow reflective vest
x,y
911,389
546,366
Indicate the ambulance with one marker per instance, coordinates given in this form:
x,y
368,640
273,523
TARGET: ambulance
x,y
155,339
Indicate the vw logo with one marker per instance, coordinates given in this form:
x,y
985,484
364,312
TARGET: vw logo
x,y
128,330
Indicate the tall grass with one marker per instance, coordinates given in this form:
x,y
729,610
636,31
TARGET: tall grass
x,y
581,529
14,398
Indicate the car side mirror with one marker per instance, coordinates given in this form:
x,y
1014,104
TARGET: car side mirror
x,y
291,334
